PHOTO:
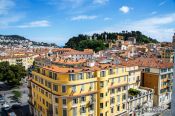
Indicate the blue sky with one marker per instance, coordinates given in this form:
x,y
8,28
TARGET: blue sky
x,y
58,20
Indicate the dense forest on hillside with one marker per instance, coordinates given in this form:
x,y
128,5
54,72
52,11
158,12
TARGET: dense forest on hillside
x,y
81,41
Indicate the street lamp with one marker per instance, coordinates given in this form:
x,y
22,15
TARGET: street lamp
x,y
173,91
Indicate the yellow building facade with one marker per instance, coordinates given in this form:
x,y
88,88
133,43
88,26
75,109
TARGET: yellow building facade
x,y
87,91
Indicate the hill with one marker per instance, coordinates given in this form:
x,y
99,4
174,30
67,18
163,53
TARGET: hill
x,y
100,41
15,40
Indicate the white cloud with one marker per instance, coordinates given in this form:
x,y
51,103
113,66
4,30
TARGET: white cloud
x,y
162,3
124,9
158,27
41,23
107,19
100,1
83,17
6,21
5,6
155,27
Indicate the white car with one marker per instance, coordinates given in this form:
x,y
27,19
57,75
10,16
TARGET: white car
x,y
6,106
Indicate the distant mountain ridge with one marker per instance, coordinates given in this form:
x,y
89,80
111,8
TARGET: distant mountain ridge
x,y
14,40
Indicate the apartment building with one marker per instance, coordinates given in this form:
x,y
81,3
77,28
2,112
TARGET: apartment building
x,y
25,60
167,53
144,98
158,75
99,90
134,76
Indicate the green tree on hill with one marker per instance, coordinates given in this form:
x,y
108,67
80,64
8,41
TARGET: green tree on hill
x,y
79,42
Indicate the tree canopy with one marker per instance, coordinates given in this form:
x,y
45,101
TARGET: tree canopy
x,y
100,41
11,74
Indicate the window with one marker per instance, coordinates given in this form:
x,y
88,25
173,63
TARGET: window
x,y
118,98
123,69
106,93
63,88
102,73
101,105
118,108
91,85
74,88
50,74
119,89
124,97
89,75
112,91
80,76
147,69
49,85
118,79
42,82
169,69
101,84
74,111
163,70
106,114
117,70
83,99
43,101
64,112
124,87
123,106
101,95
112,100
83,109
55,76
112,80
82,87
101,114
110,71
43,71
56,110
71,77
75,101
64,101
56,100
112,110
91,107
124,78
55,87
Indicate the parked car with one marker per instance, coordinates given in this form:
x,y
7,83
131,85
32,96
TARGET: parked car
x,y
5,106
